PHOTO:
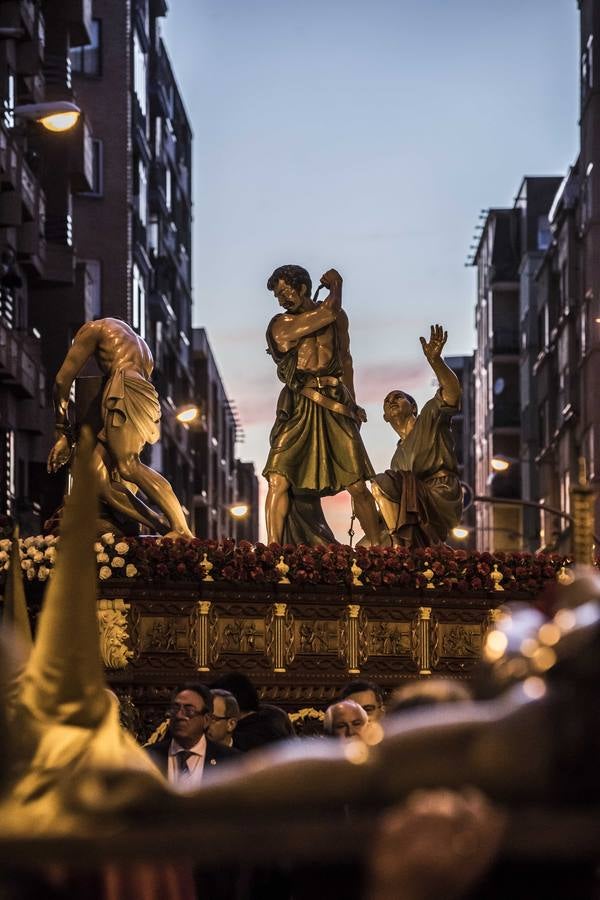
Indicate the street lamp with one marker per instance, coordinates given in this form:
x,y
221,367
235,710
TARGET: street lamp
x,y
239,510
56,116
187,414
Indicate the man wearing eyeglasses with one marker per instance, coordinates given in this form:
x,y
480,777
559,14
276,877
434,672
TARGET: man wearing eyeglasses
x,y
185,753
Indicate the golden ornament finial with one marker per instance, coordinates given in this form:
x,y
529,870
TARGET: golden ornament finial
x,y
428,575
283,568
207,566
565,576
497,577
356,572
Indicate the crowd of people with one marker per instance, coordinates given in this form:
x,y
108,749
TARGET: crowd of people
x,y
434,773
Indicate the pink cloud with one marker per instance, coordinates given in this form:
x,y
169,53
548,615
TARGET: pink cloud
x,y
373,382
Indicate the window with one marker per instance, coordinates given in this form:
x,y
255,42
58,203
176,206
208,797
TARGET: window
x,y
544,234
139,72
92,288
97,170
142,193
139,302
168,189
9,101
87,60
587,69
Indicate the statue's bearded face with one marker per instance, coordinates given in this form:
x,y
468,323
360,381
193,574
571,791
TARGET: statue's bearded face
x,y
288,297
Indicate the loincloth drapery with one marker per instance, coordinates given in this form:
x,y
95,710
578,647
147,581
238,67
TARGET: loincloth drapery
x,y
131,400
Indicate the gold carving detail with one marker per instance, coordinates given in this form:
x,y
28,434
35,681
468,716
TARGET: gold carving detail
x,y
112,621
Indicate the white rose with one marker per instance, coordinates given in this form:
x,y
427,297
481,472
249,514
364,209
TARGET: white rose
x,y
118,562
43,573
105,573
32,551
108,538
28,541
98,547
5,543
102,557
131,571
26,563
3,555
6,566
121,548
50,553
30,574
39,556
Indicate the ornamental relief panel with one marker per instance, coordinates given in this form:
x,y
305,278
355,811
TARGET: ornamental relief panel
x,y
162,634
459,640
314,636
240,635
389,639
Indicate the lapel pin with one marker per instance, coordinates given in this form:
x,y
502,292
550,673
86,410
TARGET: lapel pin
x,y
213,762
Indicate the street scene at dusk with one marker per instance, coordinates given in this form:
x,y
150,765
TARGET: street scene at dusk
x,y
299,449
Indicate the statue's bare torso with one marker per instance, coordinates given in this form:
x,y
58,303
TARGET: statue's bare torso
x,y
117,347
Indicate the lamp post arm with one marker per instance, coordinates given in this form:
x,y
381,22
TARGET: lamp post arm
x,y
507,501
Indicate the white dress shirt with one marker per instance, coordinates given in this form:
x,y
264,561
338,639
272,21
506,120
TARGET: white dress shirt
x,y
190,780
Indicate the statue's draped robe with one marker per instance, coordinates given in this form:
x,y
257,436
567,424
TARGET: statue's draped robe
x,y
319,451
423,478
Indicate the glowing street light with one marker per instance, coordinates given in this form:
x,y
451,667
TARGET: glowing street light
x,y
500,463
239,510
460,532
188,413
56,116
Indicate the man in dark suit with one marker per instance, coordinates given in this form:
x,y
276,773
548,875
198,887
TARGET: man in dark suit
x,y
185,754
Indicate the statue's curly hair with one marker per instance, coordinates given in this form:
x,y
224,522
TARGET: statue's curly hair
x,y
295,276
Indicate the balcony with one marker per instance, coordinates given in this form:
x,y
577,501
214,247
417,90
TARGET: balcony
x,y
11,209
18,368
78,15
31,237
30,53
29,190
158,191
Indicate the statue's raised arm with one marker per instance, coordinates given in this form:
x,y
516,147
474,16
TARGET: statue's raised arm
x,y
420,495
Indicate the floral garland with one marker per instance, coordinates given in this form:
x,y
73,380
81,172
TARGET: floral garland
x,y
162,559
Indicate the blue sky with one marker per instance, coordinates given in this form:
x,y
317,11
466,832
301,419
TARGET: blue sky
x,y
366,137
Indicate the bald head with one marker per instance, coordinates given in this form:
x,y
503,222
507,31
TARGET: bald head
x,y
346,719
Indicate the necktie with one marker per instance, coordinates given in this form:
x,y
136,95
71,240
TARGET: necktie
x,y
183,768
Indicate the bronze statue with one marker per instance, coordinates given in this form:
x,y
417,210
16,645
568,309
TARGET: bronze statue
x,y
316,448
130,411
420,496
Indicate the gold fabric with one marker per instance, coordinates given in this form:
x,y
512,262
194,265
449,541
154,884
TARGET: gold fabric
x,y
133,400
63,721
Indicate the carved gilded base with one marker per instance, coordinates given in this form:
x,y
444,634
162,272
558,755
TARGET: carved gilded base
x,y
298,646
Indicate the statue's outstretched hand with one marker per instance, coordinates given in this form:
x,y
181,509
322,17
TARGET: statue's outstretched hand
x,y
434,346
60,454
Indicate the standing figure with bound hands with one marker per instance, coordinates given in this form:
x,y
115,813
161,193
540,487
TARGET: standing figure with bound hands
x,y
316,448
420,495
